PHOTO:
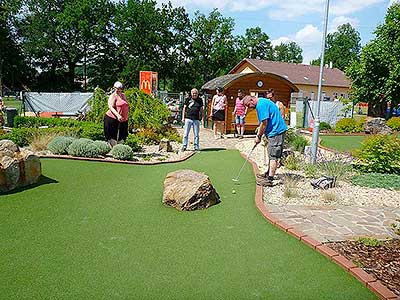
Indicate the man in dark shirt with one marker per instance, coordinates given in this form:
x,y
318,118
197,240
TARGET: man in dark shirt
x,y
192,114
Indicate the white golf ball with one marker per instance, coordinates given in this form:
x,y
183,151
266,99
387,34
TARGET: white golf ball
x,y
233,192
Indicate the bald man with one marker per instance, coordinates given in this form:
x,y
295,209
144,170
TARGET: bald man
x,y
272,125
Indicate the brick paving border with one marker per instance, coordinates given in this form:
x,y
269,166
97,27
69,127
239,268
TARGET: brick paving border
x,y
368,280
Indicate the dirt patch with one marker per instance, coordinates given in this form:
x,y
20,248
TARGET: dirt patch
x,y
382,261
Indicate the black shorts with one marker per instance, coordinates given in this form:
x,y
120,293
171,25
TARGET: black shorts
x,y
275,146
111,127
218,115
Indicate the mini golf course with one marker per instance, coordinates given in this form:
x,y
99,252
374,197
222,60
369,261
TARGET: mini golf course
x,y
95,230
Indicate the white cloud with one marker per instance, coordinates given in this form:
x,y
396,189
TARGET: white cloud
x,y
280,9
336,22
309,38
393,1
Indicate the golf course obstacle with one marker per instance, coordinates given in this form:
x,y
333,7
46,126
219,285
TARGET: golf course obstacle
x,y
188,190
17,168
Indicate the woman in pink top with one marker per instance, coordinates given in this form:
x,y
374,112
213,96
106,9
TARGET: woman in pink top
x,y
116,118
240,112
218,105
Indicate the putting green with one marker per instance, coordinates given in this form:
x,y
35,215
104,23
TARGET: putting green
x,y
99,231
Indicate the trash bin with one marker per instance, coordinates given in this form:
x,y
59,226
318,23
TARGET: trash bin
x,y
11,112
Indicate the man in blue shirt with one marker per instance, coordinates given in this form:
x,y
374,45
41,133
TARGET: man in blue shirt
x,y
273,127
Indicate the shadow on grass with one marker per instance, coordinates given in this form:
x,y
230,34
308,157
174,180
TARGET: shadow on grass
x,y
42,181
212,149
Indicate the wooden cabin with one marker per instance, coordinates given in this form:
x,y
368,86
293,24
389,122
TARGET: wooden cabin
x,y
254,84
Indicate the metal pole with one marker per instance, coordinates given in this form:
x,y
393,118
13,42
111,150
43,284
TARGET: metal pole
x,y
315,136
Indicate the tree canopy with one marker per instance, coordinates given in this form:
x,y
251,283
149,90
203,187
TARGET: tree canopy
x,y
376,75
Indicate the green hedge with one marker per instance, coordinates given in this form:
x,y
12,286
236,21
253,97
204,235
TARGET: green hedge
x,y
349,125
379,154
23,136
145,112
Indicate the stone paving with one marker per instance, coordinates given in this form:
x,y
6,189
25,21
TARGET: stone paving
x,y
323,223
328,224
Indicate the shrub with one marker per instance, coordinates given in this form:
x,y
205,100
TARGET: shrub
x,y
171,134
144,110
360,123
394,123
310,170
292,162
336,168
346,125
324,126
134,142
380,154
148,137
122,152
41,140
290,186
59,145
367,241
83,148
24,136
92,131
103,146
295,141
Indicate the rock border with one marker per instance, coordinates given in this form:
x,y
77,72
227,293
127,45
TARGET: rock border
x,y
127,162
368,280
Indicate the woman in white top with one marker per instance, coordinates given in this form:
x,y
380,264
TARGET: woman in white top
x,y
218,106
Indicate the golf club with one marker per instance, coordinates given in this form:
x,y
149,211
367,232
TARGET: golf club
x,y
241,169
119,124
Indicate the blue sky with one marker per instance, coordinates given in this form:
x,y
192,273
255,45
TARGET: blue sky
x,y
296,20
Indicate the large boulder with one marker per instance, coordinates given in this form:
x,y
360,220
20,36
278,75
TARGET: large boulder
x,y
189,190
17,168
377,126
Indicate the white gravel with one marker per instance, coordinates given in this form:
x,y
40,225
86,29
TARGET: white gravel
x,y
304,194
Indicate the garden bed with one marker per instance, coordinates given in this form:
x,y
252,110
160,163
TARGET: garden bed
x,y
381,260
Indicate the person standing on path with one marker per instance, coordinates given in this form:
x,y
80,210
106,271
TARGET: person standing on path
x,y
116,118
218,106
279,104
240,112
274,128
192,114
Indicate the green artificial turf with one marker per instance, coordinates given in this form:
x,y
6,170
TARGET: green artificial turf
x,y
342,143
99,231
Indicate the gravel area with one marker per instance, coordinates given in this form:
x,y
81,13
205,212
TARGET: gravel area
x,y
302,193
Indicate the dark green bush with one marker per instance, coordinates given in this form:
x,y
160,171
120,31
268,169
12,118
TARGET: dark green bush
x,y
377,180
148,136
59,145
324,126
83,148
122,152
380,154
134,142
91,131
394,123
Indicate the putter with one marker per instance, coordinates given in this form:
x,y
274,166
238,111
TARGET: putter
x,y
119,124
241,169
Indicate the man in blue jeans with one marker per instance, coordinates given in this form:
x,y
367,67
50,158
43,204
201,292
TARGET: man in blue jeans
x,y
274,128
192,114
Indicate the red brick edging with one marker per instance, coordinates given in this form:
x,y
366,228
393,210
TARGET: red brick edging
x,y
368,280
190,154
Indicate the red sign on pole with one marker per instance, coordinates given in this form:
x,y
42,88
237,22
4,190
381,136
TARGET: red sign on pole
x,y
148,82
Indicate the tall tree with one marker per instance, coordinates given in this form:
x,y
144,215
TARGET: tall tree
x,y
212,46
376,75
60,33
288,52
14,69
342,47
255,44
